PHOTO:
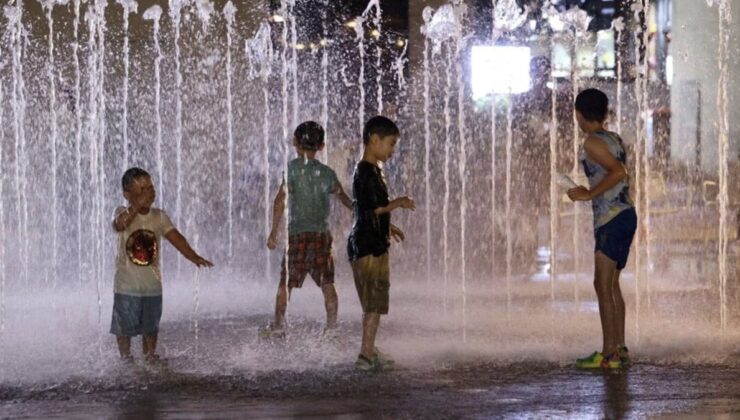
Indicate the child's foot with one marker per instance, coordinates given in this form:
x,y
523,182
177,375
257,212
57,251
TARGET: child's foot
x,y
271,332
385,360
612,361
127,360
366,364
597,360
154,360
330,335
588,361
624,356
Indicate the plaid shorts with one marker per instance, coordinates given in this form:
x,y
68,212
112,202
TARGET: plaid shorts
x,y
308,253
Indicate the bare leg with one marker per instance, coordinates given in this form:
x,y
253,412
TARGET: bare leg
x,y
619,303
331,302
124,346
370,322
603,278
281,305
149,344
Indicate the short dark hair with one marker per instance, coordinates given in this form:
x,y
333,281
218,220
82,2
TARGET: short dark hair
x,y
592,104
381,126
130,175
310,135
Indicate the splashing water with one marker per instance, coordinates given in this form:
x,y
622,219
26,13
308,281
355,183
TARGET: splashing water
x,y
452,137
260,56
229,12
129,7
175,9
377,19
427,156
723,59
507,16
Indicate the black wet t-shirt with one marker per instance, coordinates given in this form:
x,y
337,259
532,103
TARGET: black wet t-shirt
x,y
370,233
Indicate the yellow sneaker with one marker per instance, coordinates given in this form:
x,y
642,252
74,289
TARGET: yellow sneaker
x,y
597,360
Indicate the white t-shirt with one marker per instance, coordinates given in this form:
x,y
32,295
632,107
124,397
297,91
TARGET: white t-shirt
x,y
139,250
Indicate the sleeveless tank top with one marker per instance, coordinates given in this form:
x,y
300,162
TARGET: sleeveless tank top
x,y
609,204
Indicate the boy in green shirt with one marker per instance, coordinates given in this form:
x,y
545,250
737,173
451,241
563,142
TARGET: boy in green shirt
x,y
309,186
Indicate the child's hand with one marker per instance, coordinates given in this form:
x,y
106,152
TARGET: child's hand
x,y
201,262
406,203
397,233
272,241
579,193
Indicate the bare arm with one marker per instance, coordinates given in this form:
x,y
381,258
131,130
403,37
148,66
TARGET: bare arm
x,y
400,202
182,245
397,233
278,208
125,218
343,198
597,151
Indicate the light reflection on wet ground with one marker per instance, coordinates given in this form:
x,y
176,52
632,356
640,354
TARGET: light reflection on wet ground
x,y
461,390
58,361
306,377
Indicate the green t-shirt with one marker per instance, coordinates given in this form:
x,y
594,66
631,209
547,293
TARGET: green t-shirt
x,y
310,184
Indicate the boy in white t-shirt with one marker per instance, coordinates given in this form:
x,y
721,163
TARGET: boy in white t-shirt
x,y
137,299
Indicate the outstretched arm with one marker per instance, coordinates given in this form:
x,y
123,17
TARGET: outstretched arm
x,y
278,208
342,196
182,245
400,202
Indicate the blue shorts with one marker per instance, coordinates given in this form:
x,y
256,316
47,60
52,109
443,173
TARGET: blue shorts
x,y
614,238
135,315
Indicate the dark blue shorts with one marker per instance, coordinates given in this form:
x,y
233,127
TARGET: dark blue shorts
x,y
135,315
614,238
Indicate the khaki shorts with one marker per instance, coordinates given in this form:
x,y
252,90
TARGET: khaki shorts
x,y
372,280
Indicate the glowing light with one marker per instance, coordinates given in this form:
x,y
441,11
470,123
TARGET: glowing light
x,y
300,46
277,19
351,24
400,42
375,33
499,69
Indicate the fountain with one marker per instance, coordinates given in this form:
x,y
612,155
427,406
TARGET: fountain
x,y
181,86
229,12
723,55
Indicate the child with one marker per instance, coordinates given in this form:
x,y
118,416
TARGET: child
x,y
137,299
310,184
615,222
370,237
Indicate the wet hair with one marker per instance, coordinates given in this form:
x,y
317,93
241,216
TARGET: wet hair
x,y
310,135
130,175
381,126
592,104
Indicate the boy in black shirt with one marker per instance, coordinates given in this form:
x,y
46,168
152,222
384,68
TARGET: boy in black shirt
x,y
369,239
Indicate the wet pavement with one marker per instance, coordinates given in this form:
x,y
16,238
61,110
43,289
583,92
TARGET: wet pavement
x,y
482,390
504,359
233,374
